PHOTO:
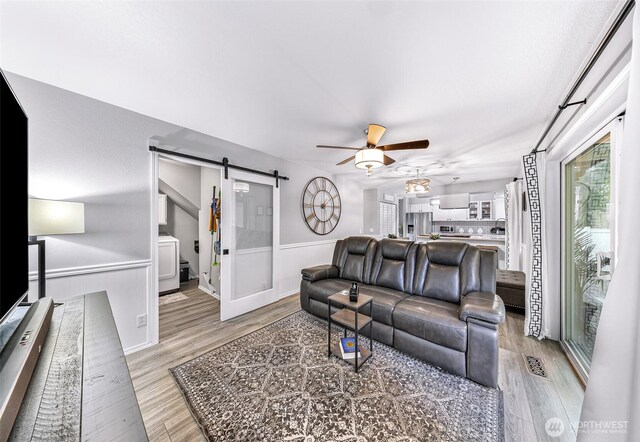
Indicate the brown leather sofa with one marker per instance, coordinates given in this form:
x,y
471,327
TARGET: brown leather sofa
x,y
435,301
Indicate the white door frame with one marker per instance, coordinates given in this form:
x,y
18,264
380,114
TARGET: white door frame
x,y
229,307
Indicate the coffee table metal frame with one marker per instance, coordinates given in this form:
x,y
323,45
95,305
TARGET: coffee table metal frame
x,y
350,318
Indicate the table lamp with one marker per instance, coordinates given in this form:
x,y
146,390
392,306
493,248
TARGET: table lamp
x,y
48,217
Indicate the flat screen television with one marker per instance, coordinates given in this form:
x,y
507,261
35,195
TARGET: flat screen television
x,y
14,196
23,328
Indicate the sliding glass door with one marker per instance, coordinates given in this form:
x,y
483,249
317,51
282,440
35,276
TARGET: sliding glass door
x,y
588,245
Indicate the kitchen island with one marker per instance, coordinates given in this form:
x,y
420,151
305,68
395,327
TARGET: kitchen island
x,y
476,240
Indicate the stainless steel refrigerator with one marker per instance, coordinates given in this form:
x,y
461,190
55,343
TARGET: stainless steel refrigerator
x,y
418,224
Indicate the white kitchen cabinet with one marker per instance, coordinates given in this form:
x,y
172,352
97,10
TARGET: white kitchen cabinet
x,y
485,210
498,208
480,211
439,214
162,209
419,208
449,214
459,214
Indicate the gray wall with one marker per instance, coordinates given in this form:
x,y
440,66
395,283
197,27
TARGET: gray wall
x,y
293,229
370,213
81,149
183,177
86,150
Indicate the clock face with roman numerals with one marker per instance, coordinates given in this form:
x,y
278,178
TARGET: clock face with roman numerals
x,y
321,205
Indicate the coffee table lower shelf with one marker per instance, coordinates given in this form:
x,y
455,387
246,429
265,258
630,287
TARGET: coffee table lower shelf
x,y
364,352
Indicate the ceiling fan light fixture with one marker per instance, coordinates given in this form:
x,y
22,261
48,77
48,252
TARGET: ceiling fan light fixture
x,y
240,187
369,159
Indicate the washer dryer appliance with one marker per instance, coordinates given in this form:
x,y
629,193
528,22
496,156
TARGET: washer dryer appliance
x,y
168,263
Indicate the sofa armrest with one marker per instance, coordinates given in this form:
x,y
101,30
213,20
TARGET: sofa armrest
x,y
485,306
318,273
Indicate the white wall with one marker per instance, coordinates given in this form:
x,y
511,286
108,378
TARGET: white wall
x,y
89,151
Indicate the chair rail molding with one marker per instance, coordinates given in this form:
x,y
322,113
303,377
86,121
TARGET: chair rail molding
x,y
128,285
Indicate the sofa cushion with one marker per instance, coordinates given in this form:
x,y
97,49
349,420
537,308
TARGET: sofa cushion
x,y
394,264
442,282
384,302
442,273
356,258
431,319
321,290
448,253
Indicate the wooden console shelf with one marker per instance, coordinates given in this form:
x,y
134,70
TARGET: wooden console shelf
x,y
81,388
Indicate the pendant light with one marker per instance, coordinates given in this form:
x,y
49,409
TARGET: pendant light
x,y
417,184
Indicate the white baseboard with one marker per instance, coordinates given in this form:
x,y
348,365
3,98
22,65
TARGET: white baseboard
x,y
289,293
209,292
135,348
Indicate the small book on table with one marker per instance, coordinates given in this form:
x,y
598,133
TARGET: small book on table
x,y
348,348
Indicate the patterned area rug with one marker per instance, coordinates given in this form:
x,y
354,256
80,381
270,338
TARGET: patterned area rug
x,y
278,384
173,297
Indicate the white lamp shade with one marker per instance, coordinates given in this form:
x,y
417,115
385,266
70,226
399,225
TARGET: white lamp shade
x,y
369,158
48,217
239,186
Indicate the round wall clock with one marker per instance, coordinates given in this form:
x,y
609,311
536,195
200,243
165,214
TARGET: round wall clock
x,y
321,205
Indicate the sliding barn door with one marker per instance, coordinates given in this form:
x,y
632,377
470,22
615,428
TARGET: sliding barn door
x,y
250,237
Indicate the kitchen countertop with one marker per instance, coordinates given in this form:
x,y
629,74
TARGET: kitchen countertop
x,y
468,237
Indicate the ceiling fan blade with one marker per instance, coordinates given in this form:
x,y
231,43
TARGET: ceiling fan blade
x,y
322,146
374,133
346,161
388,160
419,144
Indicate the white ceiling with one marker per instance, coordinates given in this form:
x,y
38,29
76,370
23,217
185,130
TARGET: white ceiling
x,y
479,79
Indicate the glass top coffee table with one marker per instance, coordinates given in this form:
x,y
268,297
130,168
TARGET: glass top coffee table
x,y
350,318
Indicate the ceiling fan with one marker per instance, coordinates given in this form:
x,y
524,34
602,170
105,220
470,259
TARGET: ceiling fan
x,y
373,156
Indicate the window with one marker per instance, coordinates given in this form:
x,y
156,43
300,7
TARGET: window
x,y
388,219
588,245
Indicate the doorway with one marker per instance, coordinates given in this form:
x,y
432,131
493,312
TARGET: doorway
x,y
236,259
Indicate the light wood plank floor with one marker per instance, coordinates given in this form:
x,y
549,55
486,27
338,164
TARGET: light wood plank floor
x,y
192,327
